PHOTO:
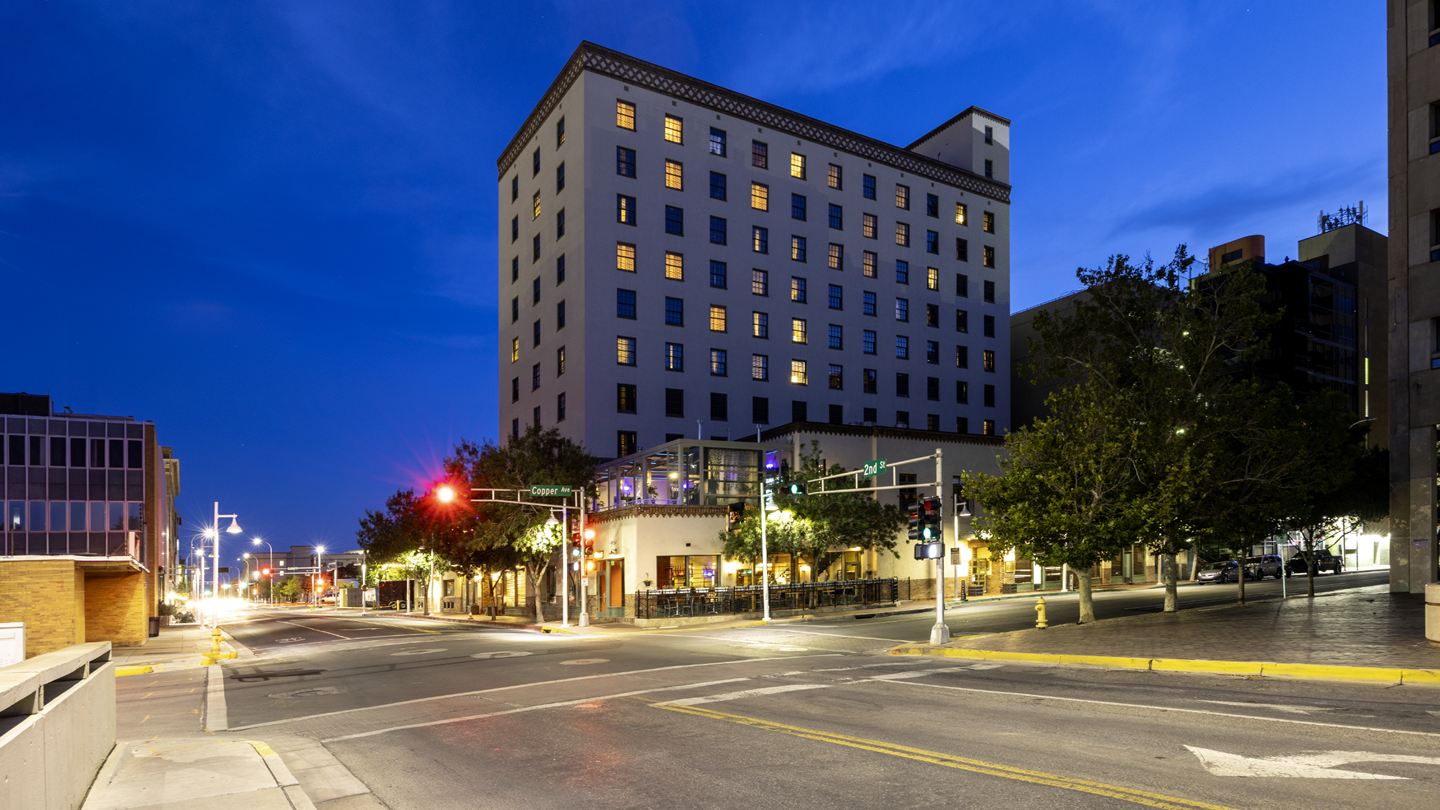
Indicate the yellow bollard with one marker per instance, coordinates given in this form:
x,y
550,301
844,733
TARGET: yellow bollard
x,y
1040,623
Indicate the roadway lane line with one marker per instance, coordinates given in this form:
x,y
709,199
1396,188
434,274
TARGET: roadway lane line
x,y
769,690
526,686
557,705
316,629
783,629
1168,709
959,763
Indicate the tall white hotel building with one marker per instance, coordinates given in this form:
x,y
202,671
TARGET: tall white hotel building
x,y
681,260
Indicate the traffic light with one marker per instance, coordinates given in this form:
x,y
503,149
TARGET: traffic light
x,y
737,516
265,572
575,544
796,488
915,517
930,526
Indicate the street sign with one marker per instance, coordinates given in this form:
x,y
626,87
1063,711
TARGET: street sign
x,y
224,569
549,491
874,468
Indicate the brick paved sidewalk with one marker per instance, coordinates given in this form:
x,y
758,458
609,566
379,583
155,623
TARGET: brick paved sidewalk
x,y
1368,627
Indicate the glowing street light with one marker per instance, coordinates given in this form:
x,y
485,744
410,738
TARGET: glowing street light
x,y
445,494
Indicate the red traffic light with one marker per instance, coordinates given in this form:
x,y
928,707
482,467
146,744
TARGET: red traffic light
x,y
264,572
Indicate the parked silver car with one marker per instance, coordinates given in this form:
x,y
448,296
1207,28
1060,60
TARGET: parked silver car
x,y
1269,565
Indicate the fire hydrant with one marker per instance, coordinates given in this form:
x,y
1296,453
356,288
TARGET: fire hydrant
x,y
1040,623
215,654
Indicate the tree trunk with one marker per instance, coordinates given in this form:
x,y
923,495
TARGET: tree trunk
x,y
1087,602
533,573
1168,573
1310,578
1240,583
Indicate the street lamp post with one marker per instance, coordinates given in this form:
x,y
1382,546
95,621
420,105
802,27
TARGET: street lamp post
x,y
271,590
233,528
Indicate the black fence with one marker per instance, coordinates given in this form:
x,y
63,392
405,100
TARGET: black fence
x,y
750,599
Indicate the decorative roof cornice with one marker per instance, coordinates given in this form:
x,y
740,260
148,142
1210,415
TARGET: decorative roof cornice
x,y
656,511
605,62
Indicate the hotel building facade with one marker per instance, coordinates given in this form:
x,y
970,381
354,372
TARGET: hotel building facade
x,y
690,279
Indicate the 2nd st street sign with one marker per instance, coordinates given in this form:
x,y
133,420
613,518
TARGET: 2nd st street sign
x,y
873,468
549,491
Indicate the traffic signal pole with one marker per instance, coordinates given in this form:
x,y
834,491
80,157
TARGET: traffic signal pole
x,y
940,633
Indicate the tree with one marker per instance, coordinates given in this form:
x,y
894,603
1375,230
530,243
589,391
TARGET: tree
x,y
540,456
1065,492
1209,441
816,527
289,590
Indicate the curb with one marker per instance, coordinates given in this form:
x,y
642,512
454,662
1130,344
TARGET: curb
x,y
1249,668
121,672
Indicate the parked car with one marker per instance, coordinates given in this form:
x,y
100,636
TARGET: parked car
x,y
1325,560
1224,571
1269,565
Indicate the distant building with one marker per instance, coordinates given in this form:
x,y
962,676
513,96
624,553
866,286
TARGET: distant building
x,y
89,524
1332,333
1414,290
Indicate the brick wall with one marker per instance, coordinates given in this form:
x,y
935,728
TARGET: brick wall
x,y
116,609
43,594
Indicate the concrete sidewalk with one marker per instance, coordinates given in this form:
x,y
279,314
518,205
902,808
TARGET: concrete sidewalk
x,y
177,646
172,749
1364,634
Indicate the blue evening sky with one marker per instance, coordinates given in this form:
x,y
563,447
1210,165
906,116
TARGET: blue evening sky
x,y
270,227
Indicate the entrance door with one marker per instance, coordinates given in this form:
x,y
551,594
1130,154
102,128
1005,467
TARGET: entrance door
x,y
615,590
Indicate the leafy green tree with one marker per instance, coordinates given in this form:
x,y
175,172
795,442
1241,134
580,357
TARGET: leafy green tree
x,y
1064,495
540,456
1209,441
289,589
817,528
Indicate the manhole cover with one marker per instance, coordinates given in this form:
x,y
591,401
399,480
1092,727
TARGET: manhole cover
x,y
314,691
487,655
582,661
418,652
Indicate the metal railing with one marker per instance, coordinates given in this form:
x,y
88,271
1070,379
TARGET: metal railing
x,y
749,599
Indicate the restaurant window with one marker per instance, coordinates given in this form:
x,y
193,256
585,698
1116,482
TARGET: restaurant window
x,y
699,571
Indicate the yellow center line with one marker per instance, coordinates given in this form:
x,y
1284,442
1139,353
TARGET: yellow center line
x,y
960,763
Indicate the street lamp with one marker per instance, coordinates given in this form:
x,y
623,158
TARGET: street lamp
x,y
233,528
271,590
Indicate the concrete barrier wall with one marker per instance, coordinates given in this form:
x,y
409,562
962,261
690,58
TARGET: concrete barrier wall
x,y
57,725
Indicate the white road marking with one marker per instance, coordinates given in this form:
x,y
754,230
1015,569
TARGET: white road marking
x,y
307,627
901,676
768,690
217,717
585,661
783,629
418,652
1320,765
529,685
558,705
489,655
1173,709
1286,709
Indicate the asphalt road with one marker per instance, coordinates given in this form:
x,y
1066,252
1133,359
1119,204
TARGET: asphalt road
x,y
432,715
